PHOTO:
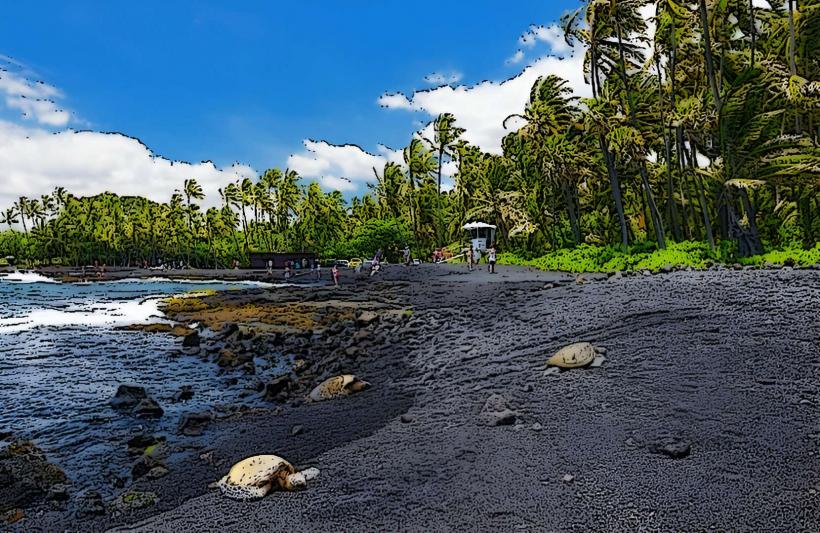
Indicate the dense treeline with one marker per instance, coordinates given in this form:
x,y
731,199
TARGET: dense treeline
x,y
709,130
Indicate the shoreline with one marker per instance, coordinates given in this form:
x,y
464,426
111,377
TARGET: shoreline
x,y
687,352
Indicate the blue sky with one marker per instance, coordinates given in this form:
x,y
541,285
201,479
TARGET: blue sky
x,y
250,81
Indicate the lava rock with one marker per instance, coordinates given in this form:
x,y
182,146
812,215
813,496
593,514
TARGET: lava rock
x,y
296,430
134,499
127,396
157,472
58,492
25,475
277,388
365,318
137,445
671,446
184,394
91,503
194,424
191,340
497,412
148,408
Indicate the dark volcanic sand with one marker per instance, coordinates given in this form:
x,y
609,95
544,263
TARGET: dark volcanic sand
x,y
727,360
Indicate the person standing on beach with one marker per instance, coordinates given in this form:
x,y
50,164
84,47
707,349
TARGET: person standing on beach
x,y
470,253
334,271
287,270
491,259
270,267
406,253
318,271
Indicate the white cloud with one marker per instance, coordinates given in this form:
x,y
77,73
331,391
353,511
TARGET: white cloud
x,y
34,161
395,101
437,78
34,99
516,58
482,108
552,35
345,167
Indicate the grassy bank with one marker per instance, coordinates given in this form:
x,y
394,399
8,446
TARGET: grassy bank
x,y
586,258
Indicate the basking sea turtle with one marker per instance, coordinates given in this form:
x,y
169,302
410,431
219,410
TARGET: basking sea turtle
x,y
254,477
575,355
337,386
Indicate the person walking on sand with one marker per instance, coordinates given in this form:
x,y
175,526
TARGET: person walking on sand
x,y
334,271
270,267
491,259
318,271
406,253
287,270
470,258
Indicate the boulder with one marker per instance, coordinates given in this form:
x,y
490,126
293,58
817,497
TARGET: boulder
x,y
672,446
184,394
228,358
194,424
365,318
277,388
90,503
497,412
127,397
25,475
138,444
191,340
134,499
145,464
148,408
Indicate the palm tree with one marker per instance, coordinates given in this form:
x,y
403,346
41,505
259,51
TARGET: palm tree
x,y
9,217
446,137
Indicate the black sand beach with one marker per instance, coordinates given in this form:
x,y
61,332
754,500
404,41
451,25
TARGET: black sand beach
x,y
722,364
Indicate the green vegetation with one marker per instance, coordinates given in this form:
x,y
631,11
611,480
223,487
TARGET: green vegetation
x,y
703,133
586,258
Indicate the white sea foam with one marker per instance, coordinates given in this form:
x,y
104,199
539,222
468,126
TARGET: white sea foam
x,y
108,314
26,277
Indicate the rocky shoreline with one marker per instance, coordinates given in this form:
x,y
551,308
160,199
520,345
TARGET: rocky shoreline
x,y
703,414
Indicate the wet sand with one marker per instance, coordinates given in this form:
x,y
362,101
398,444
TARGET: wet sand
x,y
726,362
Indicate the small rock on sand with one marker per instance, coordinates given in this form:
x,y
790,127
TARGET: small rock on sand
x,y
497,412
671,446
568,478
296,430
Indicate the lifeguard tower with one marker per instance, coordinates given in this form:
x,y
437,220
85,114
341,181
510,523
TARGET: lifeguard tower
x,y
482,235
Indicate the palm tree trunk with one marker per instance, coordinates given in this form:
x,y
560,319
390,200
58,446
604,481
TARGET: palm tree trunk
x,y
752,32
569,200
438,197
707,223
616,189
792,62
707,45
653,208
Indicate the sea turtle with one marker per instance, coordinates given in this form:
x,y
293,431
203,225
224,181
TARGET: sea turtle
x,y
254,477
575,355
337,386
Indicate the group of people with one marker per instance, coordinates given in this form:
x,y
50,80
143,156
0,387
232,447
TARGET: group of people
x,y
473,257
297,267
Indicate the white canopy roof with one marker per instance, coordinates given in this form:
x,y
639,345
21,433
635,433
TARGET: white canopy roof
x,y
477,225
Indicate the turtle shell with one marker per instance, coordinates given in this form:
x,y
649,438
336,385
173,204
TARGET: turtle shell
x,y
575,355
255,476
337,386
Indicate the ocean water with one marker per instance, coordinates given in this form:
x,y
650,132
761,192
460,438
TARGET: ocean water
x,y
62,358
